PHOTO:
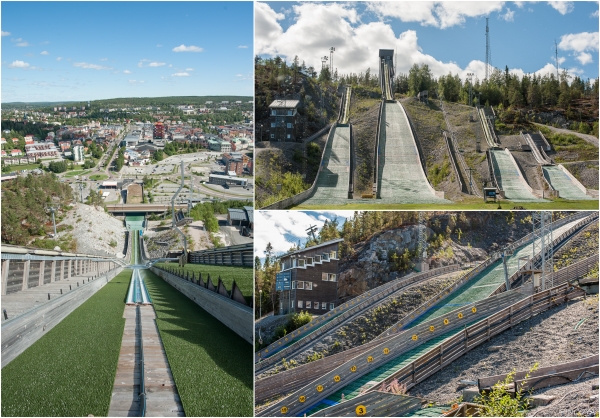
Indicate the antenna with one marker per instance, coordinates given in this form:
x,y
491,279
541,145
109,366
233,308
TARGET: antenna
x,y
556,54
311,230
488,49
331,51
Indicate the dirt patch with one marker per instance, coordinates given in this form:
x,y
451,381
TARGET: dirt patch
x,y
548,338
586,172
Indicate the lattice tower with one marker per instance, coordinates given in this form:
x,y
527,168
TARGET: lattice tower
x,y
488,50
422,237
542,244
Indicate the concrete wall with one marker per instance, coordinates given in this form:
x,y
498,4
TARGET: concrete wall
x,y
238,318
19,333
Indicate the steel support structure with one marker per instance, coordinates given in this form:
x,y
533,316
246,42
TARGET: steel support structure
x,y
542,244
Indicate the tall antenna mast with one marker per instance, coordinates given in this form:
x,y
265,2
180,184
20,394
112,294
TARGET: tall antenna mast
x,y
556,54
488,49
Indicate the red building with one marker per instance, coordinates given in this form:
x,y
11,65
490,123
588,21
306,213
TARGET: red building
x,y
236,165
159,130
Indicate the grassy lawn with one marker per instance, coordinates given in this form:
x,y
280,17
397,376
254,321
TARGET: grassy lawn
x,y
243,276
212,366
70,371
558,204
24,167
98,177
74,173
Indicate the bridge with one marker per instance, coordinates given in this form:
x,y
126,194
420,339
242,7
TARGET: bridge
x,y
141,208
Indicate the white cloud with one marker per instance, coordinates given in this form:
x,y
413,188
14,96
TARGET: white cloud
x,y
266,27
284,228
509,16
159,45
148,63
579,42
44,53
5,33
23,44
19,64
563,7
182,74
58,58
430,13
519,4
135,82
585,58
191,48
89,66
243,46
126,72
595,14
103,59
189,69
170,65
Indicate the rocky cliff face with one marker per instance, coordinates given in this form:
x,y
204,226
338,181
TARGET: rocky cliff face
x,y
452,239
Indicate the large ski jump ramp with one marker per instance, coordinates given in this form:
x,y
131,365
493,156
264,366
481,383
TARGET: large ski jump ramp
x,y
334,174
510,179
401,175
568,187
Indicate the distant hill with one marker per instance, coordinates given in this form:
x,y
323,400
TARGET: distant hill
x,y
133,101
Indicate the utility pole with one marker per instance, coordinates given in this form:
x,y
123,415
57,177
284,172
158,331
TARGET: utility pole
x,y
470,170
311,230
52,209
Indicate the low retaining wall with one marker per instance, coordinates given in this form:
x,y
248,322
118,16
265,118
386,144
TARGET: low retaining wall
x,y
21,332
238,318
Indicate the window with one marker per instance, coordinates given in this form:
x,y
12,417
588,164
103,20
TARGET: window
x,y
308,285
331,306
333,255
273,112
300,304
309,260
272,136
288,136
308,304
290,113
300,285
332,278
273,124
292,303
324,277
317,258
294,284
323,305
301,263
325,257
316,305
289,126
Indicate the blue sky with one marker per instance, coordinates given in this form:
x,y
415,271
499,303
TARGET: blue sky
x,y
448,36
283,228
54,51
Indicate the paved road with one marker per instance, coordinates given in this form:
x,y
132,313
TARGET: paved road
x,y
589,138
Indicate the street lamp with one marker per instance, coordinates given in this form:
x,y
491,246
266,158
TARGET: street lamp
x,y
52,209
331,51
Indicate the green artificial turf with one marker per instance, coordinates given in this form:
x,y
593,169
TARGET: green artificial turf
x,y
70,371
212,366
243,276
557,204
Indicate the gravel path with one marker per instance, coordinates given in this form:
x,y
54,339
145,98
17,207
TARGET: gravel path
x,y
548,338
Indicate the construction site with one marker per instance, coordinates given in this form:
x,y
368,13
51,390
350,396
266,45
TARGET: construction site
x,y
426,152
487,304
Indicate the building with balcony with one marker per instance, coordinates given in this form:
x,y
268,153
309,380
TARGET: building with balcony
x,y
308,279
282,121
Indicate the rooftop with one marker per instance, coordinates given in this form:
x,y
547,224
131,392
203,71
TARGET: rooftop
x,y
284,104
